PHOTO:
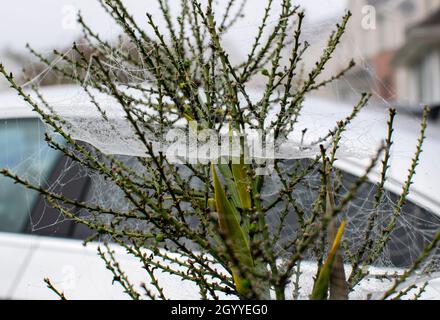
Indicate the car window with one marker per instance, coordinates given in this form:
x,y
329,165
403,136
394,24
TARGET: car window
x,y
415,228
24,152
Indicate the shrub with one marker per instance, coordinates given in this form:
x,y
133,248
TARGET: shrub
x,y
209,222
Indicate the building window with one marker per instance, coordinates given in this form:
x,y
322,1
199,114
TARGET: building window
x,y
427,78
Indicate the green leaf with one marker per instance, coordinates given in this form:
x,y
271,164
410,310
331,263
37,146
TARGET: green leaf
x,y
227,175
238,184
338,286
229,221
265,72
320,289
243,185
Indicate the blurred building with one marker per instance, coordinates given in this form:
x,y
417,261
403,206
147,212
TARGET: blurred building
x,y
396,45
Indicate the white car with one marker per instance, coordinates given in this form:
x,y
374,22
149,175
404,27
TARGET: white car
x,y
37,243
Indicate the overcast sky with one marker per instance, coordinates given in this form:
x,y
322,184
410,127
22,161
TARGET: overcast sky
x,y
49,23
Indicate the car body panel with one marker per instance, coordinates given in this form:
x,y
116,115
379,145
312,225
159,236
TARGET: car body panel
x,y
76,270
71,267
15,254
80,273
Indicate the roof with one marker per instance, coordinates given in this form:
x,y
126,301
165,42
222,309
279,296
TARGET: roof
x,y
319,116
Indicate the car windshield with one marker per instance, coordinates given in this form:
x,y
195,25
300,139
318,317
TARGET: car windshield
x,y
23,151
